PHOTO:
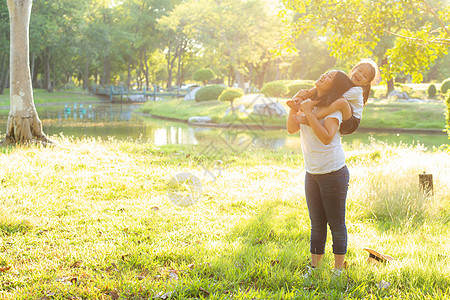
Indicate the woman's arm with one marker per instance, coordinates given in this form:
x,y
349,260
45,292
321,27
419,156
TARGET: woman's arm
x,y
291,124
325,132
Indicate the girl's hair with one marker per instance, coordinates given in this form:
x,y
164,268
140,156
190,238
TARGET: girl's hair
x,y
374,76
341,84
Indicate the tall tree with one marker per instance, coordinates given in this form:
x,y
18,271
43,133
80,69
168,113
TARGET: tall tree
x,y
23,122
360,28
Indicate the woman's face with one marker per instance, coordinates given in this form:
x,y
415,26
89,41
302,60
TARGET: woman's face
x,y
361,75
325,81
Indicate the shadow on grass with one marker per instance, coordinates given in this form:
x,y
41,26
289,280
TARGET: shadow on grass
x,y
11,225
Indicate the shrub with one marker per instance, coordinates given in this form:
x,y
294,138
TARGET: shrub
x,y
210,92
432,91
445,86
203,75
230,94
274,89
294,88
447,115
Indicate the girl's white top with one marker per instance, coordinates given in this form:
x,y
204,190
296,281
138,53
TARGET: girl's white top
x,y
354,97
320,158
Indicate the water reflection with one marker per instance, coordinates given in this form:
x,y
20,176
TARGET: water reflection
x,y
105,120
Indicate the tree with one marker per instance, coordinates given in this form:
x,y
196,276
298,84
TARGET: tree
x,y
230,94
410,34
23,122
203,75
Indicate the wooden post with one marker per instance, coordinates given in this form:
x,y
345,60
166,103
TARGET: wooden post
x,y
426,183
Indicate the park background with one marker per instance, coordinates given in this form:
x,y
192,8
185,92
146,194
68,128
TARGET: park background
x,y
90,217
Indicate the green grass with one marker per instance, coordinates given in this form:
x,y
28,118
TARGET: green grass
x,y
420,115
91,220
377,113
41,96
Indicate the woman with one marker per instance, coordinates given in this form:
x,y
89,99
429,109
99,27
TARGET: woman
x,y
327,177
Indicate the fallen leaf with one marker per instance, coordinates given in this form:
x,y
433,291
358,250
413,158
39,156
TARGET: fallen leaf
x,y
274,262
5,268
114,295
173,274
204,291
76,264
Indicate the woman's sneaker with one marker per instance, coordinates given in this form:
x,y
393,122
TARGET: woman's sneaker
x,y
337,272
309,272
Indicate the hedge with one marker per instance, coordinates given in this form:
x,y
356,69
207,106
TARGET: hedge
x,y
210,92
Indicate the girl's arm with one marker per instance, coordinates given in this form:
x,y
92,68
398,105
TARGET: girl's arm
x,y
340,104
325,132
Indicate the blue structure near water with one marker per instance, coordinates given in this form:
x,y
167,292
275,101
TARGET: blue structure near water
x,y
114,92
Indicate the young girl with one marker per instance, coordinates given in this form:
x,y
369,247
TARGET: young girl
x,y
351,105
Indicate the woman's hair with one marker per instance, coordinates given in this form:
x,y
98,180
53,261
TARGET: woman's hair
x,y
374,76
341,84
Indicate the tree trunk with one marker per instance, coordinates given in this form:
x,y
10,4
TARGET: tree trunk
x,y
129,74
23,122
47,70
6,79
2,74
86,74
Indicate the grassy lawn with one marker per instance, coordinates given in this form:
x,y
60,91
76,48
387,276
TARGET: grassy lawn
x,y
92,220
42,96
377,113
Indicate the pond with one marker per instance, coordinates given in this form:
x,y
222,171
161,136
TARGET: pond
x,y
121,121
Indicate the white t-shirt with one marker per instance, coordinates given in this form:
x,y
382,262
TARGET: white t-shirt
x,y
321,158
354,97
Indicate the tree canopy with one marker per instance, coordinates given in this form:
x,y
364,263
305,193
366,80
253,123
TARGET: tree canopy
x,y
406,36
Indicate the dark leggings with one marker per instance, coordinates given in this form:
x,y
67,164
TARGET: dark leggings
x,y
325,196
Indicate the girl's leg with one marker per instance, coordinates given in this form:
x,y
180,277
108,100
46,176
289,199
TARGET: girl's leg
x,y
340,104
318,219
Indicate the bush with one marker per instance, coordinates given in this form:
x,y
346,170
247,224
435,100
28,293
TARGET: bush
x,y
274,89
432,91
445,86
203,75
447,115
210,92
294,88
231,94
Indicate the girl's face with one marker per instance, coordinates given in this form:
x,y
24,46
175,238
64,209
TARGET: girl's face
x,y
325,81
361,75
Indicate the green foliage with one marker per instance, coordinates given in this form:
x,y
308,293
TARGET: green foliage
x,y
445,86
294,88
432,91
400,33
274,89
210,92
447,115
230,94
203,75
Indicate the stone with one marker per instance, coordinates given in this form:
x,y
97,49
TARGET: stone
x,y
191,95
240,108
270,109
137,98
396,95
198,119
